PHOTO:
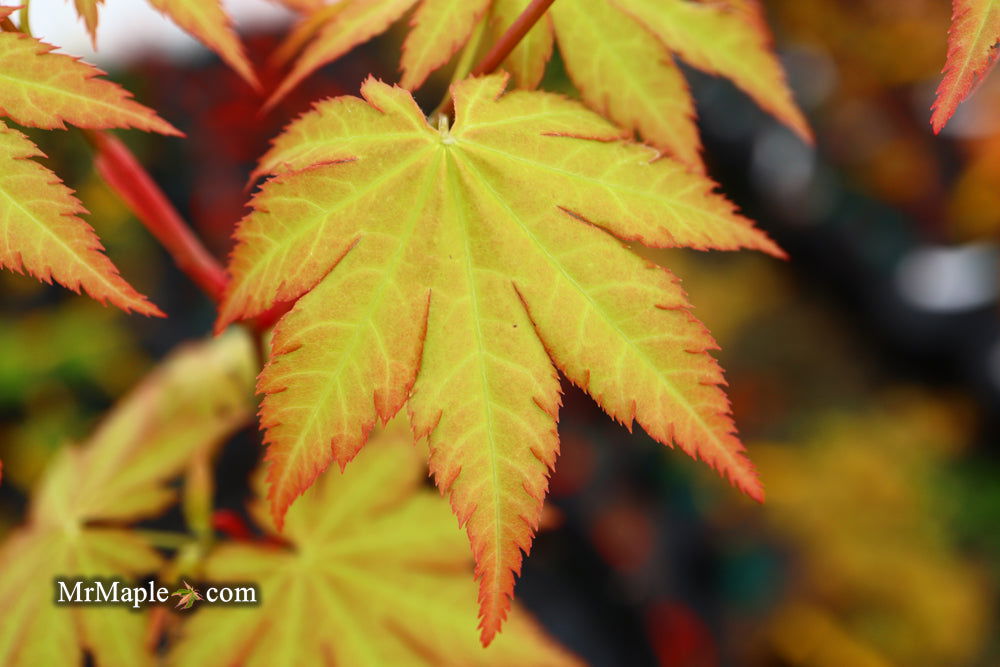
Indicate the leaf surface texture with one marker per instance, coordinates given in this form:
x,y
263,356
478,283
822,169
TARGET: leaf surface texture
x,y
624,72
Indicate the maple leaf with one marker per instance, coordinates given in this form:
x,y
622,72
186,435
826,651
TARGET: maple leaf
x,y
198,397
376,574
467,264
188,596
44,235
973,49
47,90
208,22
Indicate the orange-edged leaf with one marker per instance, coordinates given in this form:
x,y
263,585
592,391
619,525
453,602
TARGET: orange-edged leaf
x,y
377,574
727,38
209,23
471,262
624,72
44,89
76,528
440,28
356,23
526,63
376,295
973,49
43,235
87,10
487,399
7,11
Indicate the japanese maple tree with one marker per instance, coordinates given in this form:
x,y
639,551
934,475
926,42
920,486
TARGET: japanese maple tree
x,y
436,270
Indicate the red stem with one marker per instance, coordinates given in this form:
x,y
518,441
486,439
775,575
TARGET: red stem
x,y
510,39
126,176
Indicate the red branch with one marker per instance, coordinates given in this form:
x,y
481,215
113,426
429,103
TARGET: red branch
x,y
126,176
122,171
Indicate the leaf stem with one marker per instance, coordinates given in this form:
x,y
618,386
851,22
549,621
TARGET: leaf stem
x,y
25,22
507,43
126,176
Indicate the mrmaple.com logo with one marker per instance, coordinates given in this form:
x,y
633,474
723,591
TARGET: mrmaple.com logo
x,y
117,592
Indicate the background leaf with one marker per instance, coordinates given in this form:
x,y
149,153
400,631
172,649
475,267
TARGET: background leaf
x,y
43,235
209,23
197,398
727,38
375,574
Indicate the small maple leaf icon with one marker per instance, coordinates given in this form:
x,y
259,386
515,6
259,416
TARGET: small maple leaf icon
x,y
188,596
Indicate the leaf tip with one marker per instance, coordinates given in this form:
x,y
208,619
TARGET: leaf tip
x,y
751,485
151,310
492,614
939,119
279,503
